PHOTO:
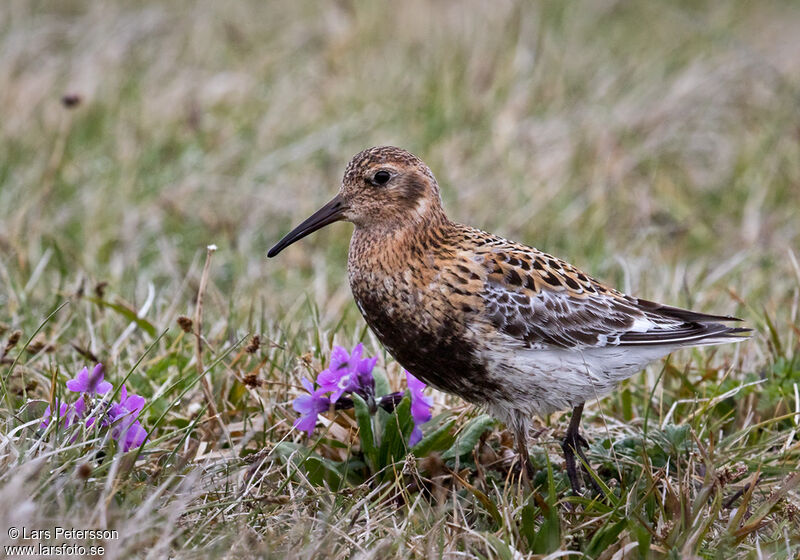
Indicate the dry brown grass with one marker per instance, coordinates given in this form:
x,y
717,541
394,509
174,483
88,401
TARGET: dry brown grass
x,y
654,144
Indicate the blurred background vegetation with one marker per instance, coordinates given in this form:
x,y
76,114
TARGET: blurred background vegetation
x,y
654,144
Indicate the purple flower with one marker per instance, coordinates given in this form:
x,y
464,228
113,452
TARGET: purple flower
x,y
134,436
91,384
121,416
341,376
348,373
128,404
340,359
65,414
127,429
309,406
364,373
339,381
80,411
420,407
129,432
80,407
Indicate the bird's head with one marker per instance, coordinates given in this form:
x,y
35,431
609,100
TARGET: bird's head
x,y
383,189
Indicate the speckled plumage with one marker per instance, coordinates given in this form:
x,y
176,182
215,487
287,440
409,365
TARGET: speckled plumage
x,y
496,322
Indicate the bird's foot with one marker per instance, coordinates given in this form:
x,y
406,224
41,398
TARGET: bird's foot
x,y
523,468
571,444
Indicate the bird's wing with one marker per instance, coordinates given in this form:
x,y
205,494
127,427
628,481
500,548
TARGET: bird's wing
x,y
539,299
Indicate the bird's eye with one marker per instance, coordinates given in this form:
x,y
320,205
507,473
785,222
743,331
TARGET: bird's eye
x,y
381,177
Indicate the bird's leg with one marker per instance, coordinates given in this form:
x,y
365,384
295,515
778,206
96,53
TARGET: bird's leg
x,y
569,445
585,464
574,443
526,467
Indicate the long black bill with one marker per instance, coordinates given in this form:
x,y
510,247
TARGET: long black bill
x,y
331,212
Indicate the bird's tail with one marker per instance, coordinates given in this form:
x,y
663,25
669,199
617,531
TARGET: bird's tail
x,y
682,327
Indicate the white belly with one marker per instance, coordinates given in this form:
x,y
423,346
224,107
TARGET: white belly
x,y
544,380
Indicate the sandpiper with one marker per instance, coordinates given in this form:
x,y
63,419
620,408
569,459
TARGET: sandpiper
x,y
498,323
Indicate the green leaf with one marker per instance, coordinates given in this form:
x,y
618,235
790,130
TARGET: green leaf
x,y
437,440
548,539
501,549
755,520
158,369
627,404
321,472
605,536
381,382
33,410
640,534
364,419
394,441
773,334
528,522
490,506
128,313
469,436
318,470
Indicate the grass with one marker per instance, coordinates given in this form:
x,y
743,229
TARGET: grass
x,y
653,144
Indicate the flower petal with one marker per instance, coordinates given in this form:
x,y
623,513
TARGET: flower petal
x,y
364,371
416,436
420,412
420,403
45,417
104,387
414,384
336,394
95,382
134,404
329,378
355,355
64,414
339,358
81,382
80,406
306,423
366,365
304,404
133,436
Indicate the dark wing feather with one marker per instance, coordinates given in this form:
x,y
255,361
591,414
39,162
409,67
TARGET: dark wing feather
x,y
568,320
555,319
542,300
661,310
695,328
